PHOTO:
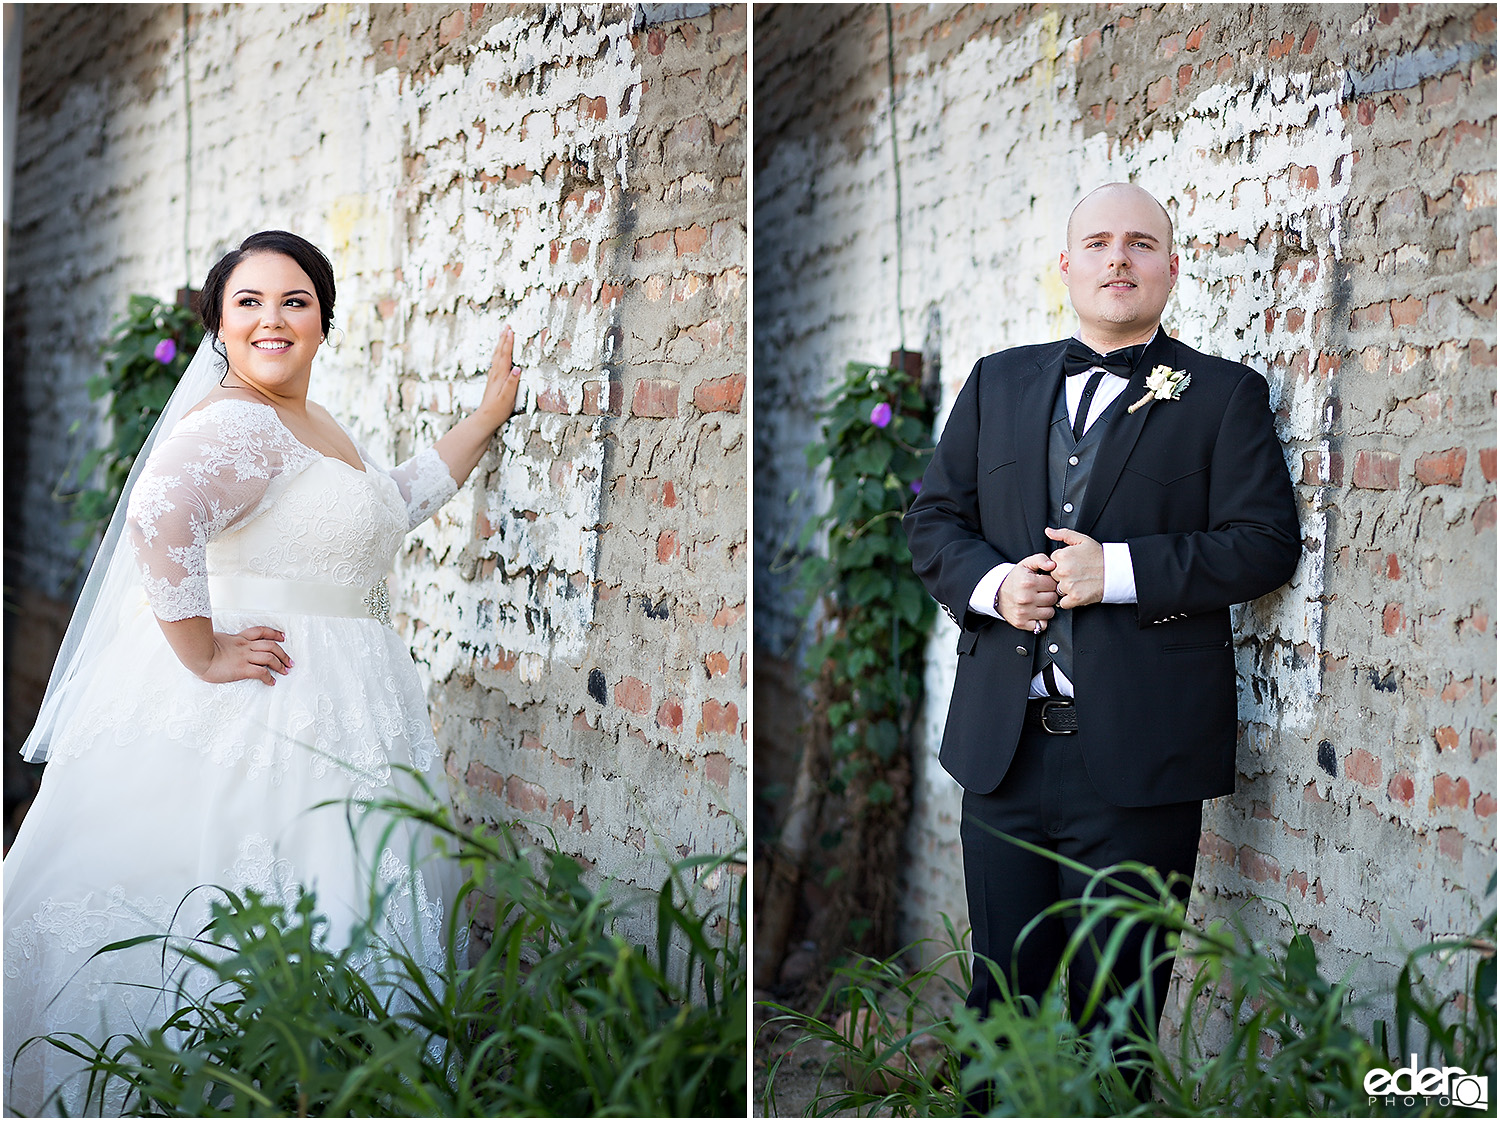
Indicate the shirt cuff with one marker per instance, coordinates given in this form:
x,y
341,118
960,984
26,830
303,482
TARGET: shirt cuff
x,y
983,599
1119,573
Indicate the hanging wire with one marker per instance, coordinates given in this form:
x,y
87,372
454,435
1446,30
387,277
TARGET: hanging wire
x,y
187,159
890,60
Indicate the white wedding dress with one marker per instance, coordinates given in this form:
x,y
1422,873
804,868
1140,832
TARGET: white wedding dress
x,y
158,782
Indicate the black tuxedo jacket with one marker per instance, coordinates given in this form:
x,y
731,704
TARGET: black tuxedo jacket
x,y
1198,488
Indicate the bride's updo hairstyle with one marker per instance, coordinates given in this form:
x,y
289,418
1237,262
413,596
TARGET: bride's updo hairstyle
x,y
309,259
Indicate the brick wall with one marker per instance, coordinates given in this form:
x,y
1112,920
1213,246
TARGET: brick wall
x,y
1331,172
578,611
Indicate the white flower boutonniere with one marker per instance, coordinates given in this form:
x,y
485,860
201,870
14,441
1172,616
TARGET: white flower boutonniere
x,y
1164,384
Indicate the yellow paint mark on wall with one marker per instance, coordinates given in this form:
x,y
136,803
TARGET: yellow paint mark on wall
x,y
1055,303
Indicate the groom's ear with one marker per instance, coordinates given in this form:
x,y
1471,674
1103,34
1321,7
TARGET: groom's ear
x,y
1174,268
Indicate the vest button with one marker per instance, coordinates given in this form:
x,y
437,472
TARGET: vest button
x,y
1067,507
1052,649
1073,459
1020,649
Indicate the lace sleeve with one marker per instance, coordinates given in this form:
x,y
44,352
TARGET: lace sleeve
x,y
212,470
425,483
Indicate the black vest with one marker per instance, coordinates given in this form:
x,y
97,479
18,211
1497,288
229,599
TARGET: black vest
x,y
1069,465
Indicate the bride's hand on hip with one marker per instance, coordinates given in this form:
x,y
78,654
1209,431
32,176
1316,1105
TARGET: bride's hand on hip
x,y
255,654
499,400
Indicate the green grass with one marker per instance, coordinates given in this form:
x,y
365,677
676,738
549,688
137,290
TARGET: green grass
x,y
558,1016
1287,1040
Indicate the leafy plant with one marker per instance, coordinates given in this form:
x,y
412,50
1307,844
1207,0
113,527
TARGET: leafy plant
x,y
876,612
558,1016
148,351
1287,1037
865,663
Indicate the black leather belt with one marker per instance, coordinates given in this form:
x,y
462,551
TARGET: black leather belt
x,y
1055,717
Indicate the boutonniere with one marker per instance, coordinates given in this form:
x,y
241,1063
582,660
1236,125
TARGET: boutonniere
x,y
1164,384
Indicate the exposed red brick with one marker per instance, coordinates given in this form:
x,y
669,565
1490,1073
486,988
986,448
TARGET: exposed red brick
x,y
1215,847
669,715
634,694
654,397
527,797
1393,619
551,401
719,395
1157,93
1371,315
1484,806
720,717
603,398
666,546
1480,743
1406,312
1447,738
656,243
1484,515
1487,464
717,769
728,615
593,108
690,239
1194,39
1441,468
481,777
716,664
1450,842
450,27
1402,789
1377,470
563,811
1297,881
1362,767
1450,791
656,42
1258,866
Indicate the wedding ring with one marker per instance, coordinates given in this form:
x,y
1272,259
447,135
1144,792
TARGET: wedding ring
x,y
1036,627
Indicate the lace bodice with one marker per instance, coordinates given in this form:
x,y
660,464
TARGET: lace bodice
x,y
232,492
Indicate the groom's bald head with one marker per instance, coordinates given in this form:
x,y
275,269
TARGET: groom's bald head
x,y
1119,191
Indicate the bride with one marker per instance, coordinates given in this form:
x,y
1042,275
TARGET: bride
x,y
228,667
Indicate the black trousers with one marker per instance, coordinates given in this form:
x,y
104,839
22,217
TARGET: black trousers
x,y
1046,798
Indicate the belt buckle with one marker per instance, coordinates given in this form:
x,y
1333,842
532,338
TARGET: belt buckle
x,y
1047,707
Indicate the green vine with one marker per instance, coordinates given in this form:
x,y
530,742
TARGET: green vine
x,y
148,350
866,662
876,612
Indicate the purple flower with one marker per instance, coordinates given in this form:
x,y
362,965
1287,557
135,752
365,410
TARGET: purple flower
x,y
916,486
165,351
880,415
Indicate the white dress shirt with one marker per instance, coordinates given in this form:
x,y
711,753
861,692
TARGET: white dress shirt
x,y
1119,572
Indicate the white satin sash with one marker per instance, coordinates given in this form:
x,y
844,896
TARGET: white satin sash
x,y
297,597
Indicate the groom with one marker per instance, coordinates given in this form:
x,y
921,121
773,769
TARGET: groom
x,y
1088,536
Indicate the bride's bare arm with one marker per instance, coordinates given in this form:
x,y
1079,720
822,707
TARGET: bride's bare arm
x,y
253,654
464,443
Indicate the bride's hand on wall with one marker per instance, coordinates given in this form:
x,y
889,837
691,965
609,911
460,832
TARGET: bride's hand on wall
x,y
499,400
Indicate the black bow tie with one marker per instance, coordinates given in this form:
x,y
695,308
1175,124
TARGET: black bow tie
x,y
1080,358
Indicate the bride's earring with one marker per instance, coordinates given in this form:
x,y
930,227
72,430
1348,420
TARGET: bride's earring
x,y
335,337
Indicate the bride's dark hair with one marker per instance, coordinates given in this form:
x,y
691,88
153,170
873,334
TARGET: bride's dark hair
x,y
309,259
